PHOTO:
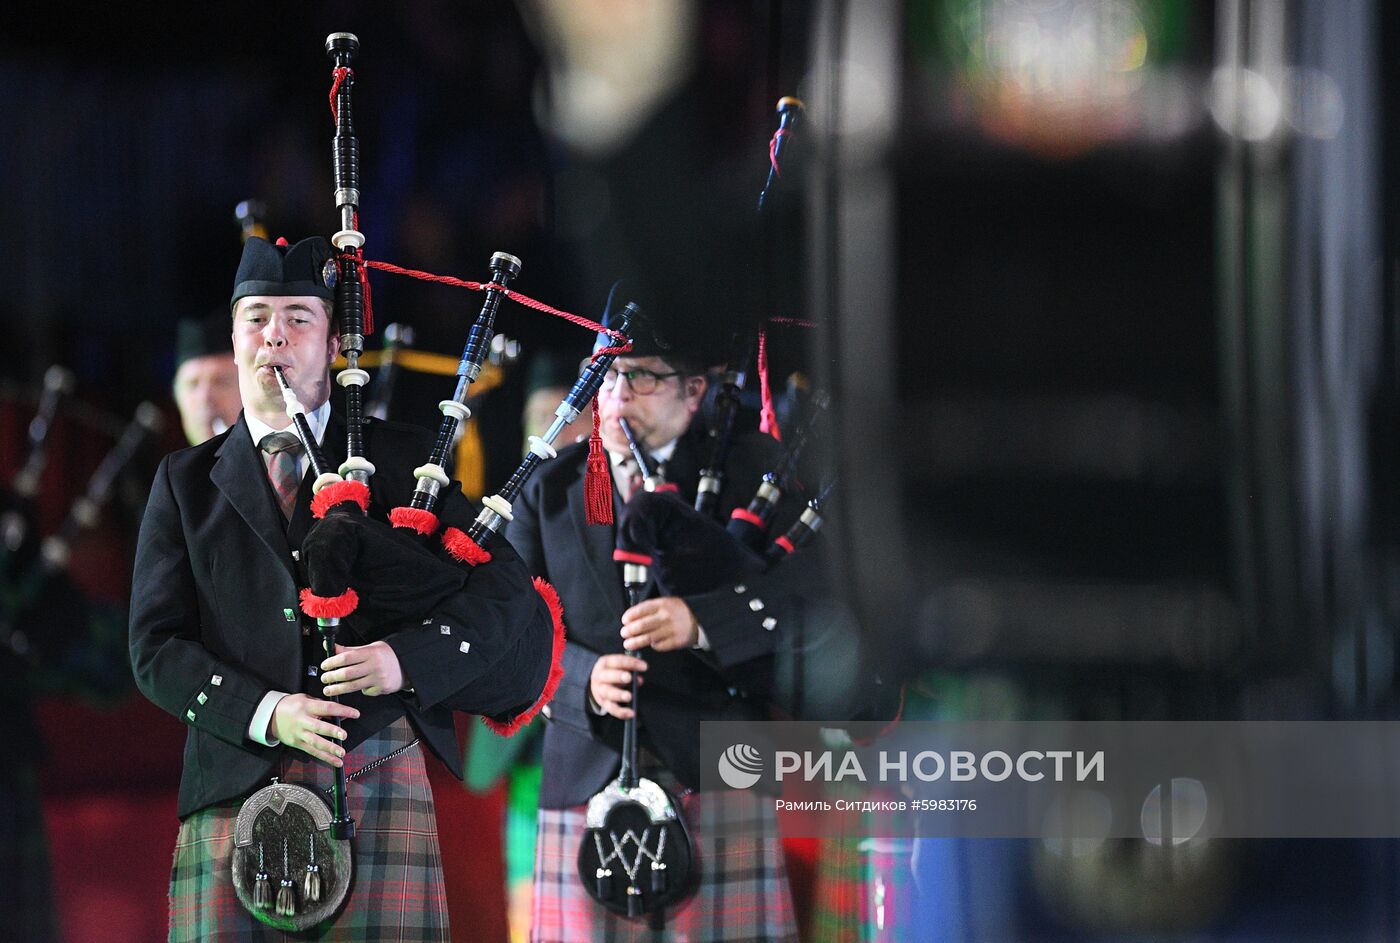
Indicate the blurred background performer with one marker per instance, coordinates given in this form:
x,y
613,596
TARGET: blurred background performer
x,y
690,676
216,640
548,378
206,379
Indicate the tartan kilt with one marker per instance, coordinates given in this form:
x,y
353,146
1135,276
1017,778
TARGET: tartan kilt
x,y
838,911
742,895
865,888
397,890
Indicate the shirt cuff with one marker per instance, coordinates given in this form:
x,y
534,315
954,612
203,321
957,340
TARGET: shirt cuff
x,y
702,641
594,707
262,719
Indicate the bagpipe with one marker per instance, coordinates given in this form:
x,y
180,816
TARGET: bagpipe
x,y
690,552
635,856
34,569
824,668
688,549
743,346
368,578
15,519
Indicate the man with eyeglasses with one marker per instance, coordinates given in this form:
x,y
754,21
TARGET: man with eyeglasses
x,y
709,657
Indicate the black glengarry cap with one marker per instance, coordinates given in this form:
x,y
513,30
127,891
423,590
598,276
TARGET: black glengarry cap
x,y
279,270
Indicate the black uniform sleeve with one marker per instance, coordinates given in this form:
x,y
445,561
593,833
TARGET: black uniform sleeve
x,y
172,666
569,706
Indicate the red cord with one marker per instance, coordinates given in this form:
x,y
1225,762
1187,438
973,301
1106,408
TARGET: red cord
x,y
515,296
773,150
338,75
427,276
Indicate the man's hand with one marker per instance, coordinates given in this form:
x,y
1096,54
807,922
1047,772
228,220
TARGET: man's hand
x,y
373,669
610,683
297,722
665,624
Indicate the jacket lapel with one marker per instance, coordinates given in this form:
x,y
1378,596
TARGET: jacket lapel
x,y
241,477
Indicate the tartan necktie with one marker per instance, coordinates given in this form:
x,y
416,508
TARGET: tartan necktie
x,y
280,451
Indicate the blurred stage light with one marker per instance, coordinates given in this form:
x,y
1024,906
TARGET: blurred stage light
x,y
1314,108
1077,824
1245,103
1063,76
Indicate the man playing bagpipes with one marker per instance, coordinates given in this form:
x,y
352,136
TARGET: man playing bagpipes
x,y
217,637
205,387
704,655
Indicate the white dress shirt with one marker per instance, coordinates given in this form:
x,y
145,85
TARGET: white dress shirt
x,y
258,730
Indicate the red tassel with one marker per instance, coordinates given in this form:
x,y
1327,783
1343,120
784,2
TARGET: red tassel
x,y
463,549
415,519
556,665
363,275
767,417
597,478
329,607
331,495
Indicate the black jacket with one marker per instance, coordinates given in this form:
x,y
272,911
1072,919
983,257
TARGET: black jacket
x,y
215,622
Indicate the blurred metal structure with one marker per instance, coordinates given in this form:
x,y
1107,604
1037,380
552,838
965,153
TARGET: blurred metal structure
x,y
854,102
1295,93
1291,441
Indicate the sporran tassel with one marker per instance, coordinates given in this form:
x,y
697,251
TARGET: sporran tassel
x,y
634,900
262,884
658,877
605,883
286,893
311,884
